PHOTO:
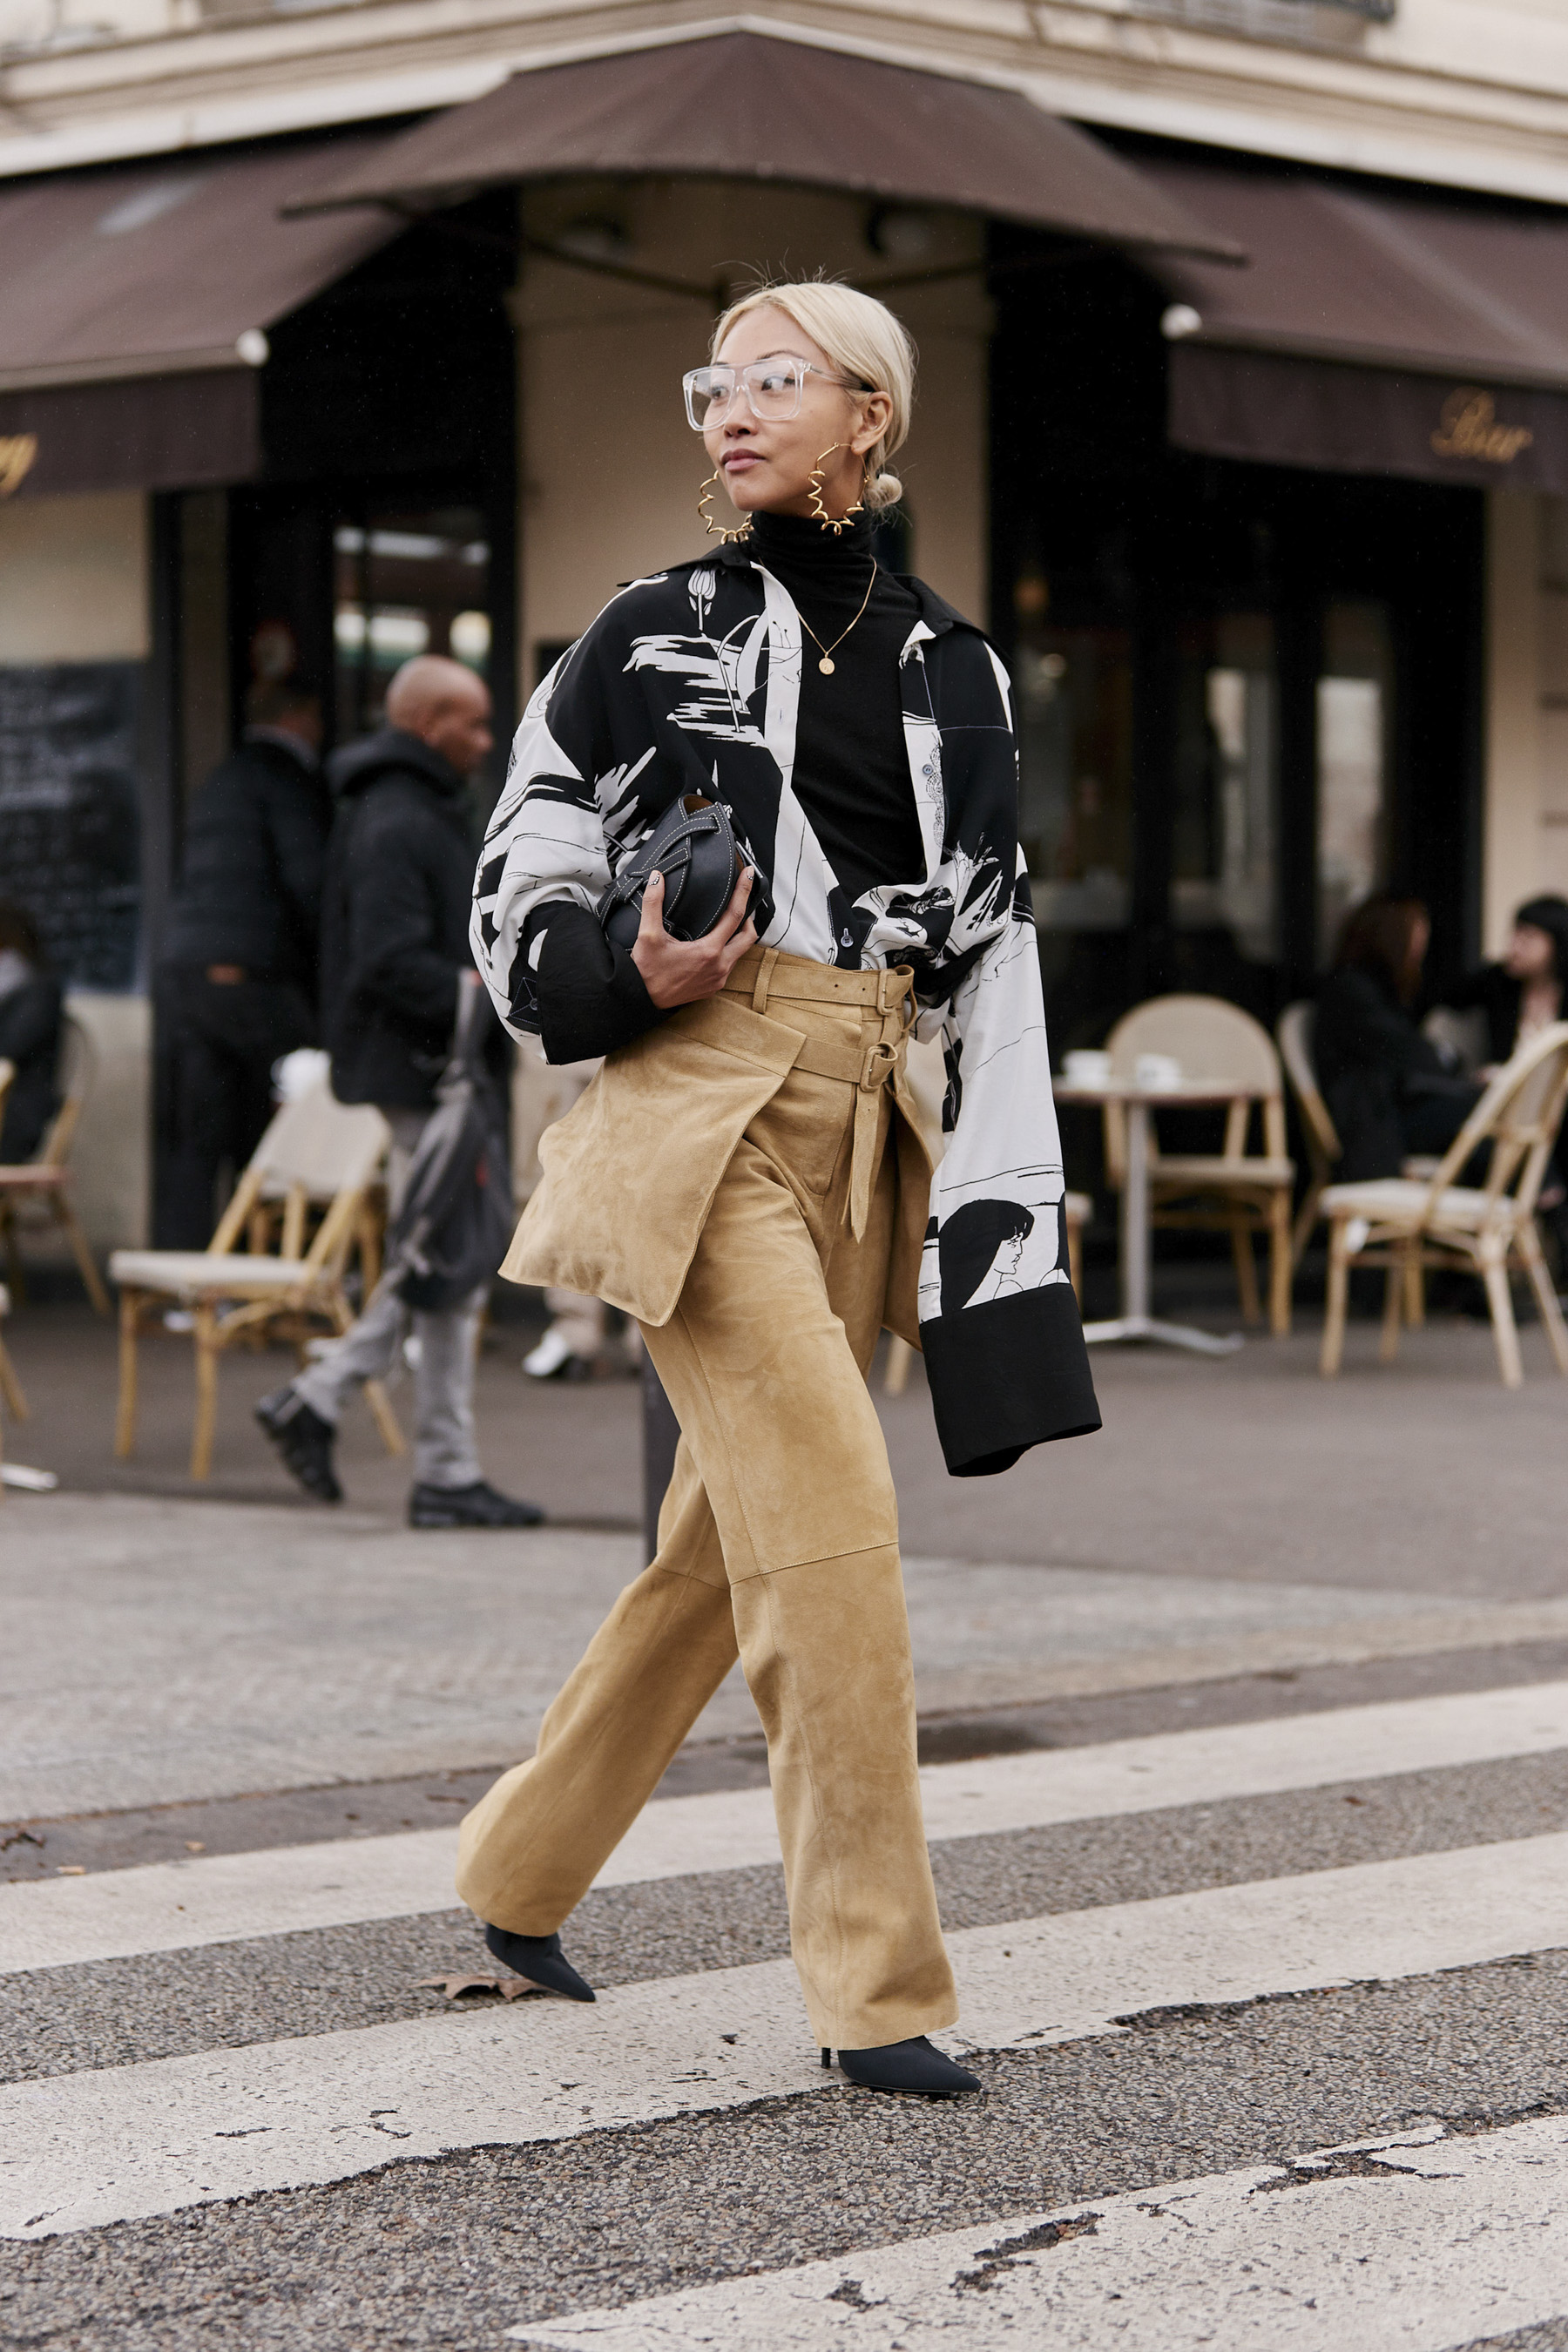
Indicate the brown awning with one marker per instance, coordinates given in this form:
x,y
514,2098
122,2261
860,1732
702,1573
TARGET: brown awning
x,y
1285,412
753,106
1375,332
132,305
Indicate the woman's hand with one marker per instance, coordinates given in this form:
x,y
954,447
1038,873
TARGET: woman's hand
x,y
683,972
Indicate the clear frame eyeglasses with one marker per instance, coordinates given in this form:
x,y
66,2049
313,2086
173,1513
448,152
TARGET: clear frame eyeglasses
x,y
772,388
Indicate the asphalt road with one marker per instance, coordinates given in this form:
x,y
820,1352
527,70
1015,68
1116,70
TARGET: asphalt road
x,y
460,2249
1246,1764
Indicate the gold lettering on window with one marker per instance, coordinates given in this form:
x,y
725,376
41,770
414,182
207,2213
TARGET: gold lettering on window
x,y
17,451
1469,427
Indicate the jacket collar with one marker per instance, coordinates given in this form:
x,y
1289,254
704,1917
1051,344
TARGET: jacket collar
x,y
394,752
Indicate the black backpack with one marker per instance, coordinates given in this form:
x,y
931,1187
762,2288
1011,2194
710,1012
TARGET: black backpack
x,y
457,1216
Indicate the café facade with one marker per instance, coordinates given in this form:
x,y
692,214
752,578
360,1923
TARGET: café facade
x,y
1257,471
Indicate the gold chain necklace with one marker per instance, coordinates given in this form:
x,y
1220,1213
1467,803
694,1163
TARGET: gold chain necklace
x,y
827,665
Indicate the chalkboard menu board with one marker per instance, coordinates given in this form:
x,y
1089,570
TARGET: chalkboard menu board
x,y
70,821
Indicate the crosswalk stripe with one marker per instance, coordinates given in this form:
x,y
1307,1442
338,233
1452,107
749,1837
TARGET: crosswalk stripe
x,y
178,1905
1449,2239
89,2148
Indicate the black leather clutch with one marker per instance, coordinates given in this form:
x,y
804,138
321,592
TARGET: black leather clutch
x,y
693,845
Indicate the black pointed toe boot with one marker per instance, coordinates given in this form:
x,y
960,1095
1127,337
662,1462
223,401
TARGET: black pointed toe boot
x,y
916,2065
539,1959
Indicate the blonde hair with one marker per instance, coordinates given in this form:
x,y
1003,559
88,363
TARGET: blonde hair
x,y
864,341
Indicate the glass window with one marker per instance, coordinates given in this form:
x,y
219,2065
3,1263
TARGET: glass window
x,y
1355,711
1073,692
1225,874
406,583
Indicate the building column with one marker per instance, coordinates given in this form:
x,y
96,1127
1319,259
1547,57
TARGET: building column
x,y
1511,827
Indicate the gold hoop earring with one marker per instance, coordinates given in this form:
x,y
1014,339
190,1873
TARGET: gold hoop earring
x,y
716,530
834,523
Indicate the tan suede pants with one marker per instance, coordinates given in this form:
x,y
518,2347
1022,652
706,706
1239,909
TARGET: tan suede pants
x,y
778,1540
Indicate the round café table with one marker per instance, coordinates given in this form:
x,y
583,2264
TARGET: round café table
x,y
1135,1322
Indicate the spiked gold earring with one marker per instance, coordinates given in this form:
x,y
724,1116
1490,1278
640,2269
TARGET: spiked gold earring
x,y
834,523
717,530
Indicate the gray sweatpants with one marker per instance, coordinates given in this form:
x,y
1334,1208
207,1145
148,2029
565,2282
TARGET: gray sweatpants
x,y
445,1453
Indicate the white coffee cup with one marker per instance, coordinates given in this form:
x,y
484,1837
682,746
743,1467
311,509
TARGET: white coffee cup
x,y
1083,1067
1156,1073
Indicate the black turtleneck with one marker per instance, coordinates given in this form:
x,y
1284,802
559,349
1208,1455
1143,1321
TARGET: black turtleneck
x,y
851,776
851,768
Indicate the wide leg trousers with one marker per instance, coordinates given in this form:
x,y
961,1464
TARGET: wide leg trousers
x,y
777,1541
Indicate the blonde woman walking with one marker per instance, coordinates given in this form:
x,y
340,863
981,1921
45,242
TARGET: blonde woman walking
x,y
745,1176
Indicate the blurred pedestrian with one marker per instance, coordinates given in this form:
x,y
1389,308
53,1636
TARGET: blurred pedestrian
x,y
1390,1090
238,987
30,1014
395,957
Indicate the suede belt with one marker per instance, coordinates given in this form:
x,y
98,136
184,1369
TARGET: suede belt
x,y
868,1068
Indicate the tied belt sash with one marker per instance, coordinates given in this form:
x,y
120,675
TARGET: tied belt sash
x,y
866,1068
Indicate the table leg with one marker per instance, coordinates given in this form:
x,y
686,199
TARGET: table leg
x,y
1135,1217
1135,1322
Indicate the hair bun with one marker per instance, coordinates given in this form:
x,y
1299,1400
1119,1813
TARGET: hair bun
x,y
885,489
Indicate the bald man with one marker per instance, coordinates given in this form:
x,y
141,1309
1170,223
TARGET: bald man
x,y
395,955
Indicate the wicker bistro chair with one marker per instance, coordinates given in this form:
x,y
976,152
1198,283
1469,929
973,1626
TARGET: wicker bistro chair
x,y
316,1151
1405,1224
45,1180
1232,1191
12,1399
1294,1035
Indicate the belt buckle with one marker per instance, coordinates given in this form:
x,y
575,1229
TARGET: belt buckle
x,y
901,972
877,1067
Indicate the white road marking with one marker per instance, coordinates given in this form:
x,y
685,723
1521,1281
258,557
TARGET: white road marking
x,y
169,1907
82,2149
227,1898
1446,2239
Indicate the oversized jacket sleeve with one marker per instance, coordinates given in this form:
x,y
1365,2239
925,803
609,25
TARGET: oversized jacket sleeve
x,y
1004,1345
550,971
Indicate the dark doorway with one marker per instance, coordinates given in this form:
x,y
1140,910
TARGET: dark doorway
x,y
1246,695
383,522
385,525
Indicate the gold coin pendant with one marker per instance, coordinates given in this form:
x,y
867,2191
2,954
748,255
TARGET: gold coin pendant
x,y
826,666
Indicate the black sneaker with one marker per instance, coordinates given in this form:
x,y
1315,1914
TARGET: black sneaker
x,y
304,1440
477,1506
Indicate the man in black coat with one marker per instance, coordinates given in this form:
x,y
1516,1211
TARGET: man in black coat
x,y
238,985
395,956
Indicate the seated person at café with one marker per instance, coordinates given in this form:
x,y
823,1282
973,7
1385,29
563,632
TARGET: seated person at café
x,y
1523,990
1519,995
1390,1090
30,1006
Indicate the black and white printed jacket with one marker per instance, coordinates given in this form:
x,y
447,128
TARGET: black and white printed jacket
x,y
688,682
